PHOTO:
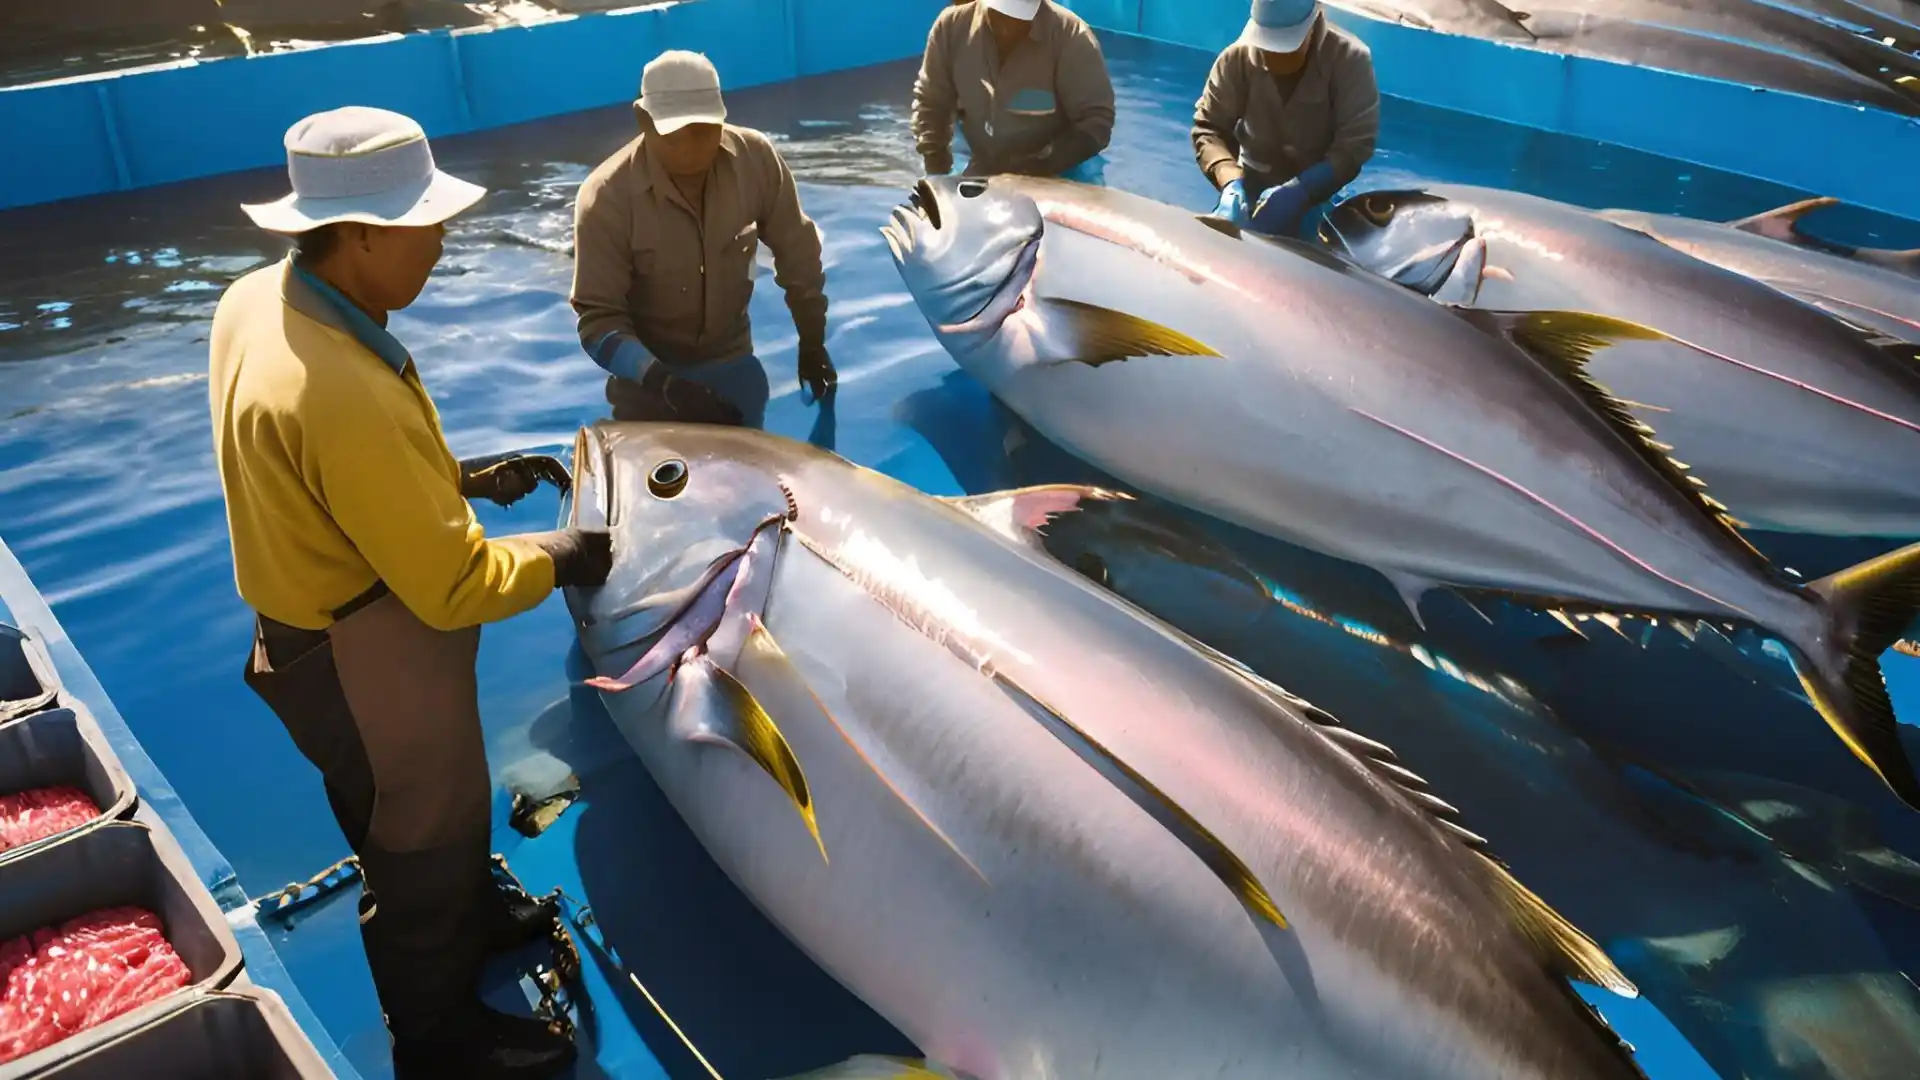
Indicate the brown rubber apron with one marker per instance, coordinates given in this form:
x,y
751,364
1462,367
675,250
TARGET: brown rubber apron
x,y
387,708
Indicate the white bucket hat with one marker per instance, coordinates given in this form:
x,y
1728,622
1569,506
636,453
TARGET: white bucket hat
x,y
365,165
680,88
1020,9
1280,25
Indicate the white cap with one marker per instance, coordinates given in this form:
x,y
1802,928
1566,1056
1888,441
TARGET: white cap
x,y
1280,25
680,88
366,165
1024,10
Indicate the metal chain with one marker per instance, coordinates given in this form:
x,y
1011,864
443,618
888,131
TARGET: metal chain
x,y
293,894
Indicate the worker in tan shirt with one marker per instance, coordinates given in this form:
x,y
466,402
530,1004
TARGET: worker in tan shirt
x,y
1289,117
1026,79
665,237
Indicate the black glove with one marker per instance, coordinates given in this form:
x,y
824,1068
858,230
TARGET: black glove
x,y
1069,148
507,479
816,370
688,400
579,558
938,163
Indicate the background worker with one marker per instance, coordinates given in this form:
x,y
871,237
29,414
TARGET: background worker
x,y
666,233
1028,82
1289,117
354,544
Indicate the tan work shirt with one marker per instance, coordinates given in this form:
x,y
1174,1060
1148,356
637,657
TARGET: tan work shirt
x,y
645,263
1333,113
1055,81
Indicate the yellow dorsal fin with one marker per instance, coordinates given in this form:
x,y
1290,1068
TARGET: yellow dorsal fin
x,y
1563,342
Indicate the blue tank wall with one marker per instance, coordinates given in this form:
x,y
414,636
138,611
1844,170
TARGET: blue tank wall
x,y
1861,156
94,134
154,126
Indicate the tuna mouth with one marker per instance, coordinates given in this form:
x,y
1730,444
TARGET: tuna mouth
x,y
695,620
903,231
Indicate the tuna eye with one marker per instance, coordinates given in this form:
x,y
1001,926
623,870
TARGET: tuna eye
x,y
669,478
972,189
1378,209
1093,566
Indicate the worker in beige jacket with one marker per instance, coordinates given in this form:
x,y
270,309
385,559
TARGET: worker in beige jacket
x,y
666,233
1027,81
1289,117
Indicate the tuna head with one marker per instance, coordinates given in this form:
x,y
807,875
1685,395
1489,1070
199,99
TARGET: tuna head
x,y
967,249
1412,238
695,518
974,252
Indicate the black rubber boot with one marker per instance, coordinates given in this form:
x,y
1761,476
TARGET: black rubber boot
x,y
483,1044
421,924
512,919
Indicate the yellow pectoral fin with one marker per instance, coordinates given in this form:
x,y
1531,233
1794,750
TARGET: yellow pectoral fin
x,y
744,725
767,666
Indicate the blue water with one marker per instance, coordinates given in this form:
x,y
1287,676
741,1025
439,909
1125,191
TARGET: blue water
x,y
109,496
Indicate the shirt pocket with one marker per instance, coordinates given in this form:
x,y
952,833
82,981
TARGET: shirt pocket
x,y
740,265
1033,101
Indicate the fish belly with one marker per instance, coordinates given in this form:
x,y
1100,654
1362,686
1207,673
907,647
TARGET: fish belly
x,y
983,889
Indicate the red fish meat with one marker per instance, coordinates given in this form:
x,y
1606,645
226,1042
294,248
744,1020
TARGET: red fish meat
x,y
60,981
42,812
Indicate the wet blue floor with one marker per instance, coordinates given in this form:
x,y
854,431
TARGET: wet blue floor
x,y
109,497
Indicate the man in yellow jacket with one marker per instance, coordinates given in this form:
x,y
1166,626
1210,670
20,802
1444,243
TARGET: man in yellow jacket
x,y
354,543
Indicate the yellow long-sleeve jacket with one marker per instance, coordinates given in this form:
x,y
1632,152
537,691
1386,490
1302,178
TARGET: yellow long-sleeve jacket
x,y
336,472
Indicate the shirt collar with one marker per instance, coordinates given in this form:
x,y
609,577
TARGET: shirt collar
x,y
653,175
375,337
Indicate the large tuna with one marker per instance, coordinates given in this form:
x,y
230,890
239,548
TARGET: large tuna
x,y
1874,289
1276,386
1042,834
1757,958
1800,422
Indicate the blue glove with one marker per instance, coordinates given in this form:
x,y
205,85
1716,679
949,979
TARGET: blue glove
x,y
623,356
1233,204
1281,209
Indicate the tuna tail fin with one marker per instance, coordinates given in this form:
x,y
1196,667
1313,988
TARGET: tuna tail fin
x,y
1868,608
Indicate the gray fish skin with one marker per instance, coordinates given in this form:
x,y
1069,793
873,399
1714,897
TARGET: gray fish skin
x,y
983,887
1767,969
1346,414
1822,62
1862,293
1808,427
1272,384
